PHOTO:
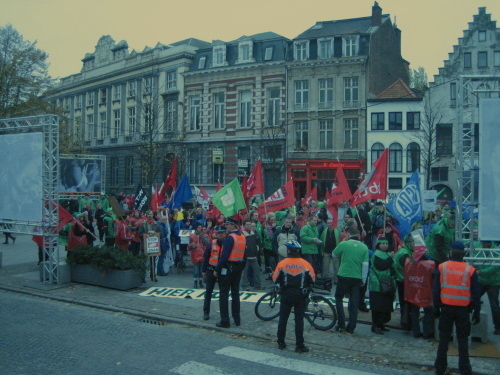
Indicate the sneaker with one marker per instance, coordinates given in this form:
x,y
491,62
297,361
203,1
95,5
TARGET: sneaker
x,y
281,345
377,330
223,325
349,331
301,349
339,329
206,316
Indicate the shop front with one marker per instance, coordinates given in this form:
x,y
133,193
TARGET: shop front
x,y
307,174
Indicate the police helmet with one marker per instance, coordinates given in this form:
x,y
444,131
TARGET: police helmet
x,y
293,245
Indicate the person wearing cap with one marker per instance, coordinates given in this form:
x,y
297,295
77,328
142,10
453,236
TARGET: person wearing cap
x,y
456,292
295,276
381,300
210,260
228,270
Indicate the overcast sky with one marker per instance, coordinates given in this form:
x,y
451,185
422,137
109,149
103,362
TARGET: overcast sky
x,y
67,29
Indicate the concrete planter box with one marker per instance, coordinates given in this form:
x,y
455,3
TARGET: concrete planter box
x,y
114,279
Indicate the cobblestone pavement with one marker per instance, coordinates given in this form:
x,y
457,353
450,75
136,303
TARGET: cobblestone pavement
x,y
396,349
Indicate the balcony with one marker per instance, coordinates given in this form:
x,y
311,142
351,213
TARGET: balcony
x,y
351,104
325,105
301,106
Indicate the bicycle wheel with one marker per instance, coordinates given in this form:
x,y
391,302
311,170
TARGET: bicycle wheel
x,y
268,306
321,313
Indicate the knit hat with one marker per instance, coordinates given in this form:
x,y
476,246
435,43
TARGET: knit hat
x,y
457,245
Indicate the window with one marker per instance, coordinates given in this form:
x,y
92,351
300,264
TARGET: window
x,y
90,98
194,166
66,104
269,54
244,54
325,93
131,128
147,85
103,94
481,36
301,50
148,118
395,120
482,59
351,133
103,125
301,94
412,157
325,48
444,139
219,55
376,151
439,174
129,170
78,100
117,124
194,112
378,121
114,171
273,107
301,135
467,60
245,107
79,131
395,158
412,120
172,80
350,45
496,58
395,183
117,92
219,111
91,128
453,94
218,170
171,121
351,92
483,91
132,89
201,63
325,134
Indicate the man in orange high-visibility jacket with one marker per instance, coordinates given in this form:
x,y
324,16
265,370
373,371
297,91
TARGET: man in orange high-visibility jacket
x,y
456,293
295,276
210,261
228,270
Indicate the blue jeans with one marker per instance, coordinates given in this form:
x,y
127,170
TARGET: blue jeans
x,y
351,286
197,271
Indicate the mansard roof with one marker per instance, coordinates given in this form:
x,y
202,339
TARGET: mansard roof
x,y
361,25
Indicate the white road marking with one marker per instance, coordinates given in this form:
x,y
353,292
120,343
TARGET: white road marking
x,y
298,365
197,368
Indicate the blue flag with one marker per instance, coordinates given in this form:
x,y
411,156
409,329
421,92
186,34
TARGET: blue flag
x,y
181,194
407,205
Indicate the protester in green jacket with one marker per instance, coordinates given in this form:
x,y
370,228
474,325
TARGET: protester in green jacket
x,y
310,242
439,239
489,278
109,225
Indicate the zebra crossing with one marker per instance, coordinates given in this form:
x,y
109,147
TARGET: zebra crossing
x,y
263,358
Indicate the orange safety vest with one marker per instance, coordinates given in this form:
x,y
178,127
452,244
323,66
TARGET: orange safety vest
x,y
238,250
455,283
214,254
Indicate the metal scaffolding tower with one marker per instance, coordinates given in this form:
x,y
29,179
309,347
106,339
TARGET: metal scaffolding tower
x,y
48,125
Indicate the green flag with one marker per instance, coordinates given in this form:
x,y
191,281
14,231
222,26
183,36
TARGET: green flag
x,y
229,199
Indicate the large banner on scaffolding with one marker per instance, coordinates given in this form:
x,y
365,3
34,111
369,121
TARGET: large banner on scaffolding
x,y
81,174
21,182
489,169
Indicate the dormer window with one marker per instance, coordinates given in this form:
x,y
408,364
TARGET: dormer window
x,y
269,53
219,55
245,52
301,50
201,63
325,48
350,45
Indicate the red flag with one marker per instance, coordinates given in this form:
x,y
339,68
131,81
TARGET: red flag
x,y
313,196
170,180
374,186
282,198
219,186
255,183
334,211
244,185
340,191
154,198
64,218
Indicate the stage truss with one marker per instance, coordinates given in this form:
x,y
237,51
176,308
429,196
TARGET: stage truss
x,y
48,227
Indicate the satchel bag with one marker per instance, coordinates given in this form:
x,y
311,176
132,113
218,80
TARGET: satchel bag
x,y
387,286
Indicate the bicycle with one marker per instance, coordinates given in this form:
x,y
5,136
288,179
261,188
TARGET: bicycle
x,y
320,312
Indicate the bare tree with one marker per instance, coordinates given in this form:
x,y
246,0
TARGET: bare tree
x,y
273,142
418,79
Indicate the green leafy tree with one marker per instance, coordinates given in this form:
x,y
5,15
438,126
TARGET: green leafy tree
x,y
418,79
23,75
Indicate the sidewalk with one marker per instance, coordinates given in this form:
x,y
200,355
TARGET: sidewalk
x,y
396,349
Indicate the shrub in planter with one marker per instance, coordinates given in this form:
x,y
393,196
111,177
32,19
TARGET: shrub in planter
x,y
106,259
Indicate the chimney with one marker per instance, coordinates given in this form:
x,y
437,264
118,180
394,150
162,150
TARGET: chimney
x,y
376,15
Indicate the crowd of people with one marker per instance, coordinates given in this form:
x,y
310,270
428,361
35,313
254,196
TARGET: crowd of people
x,y
361,252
